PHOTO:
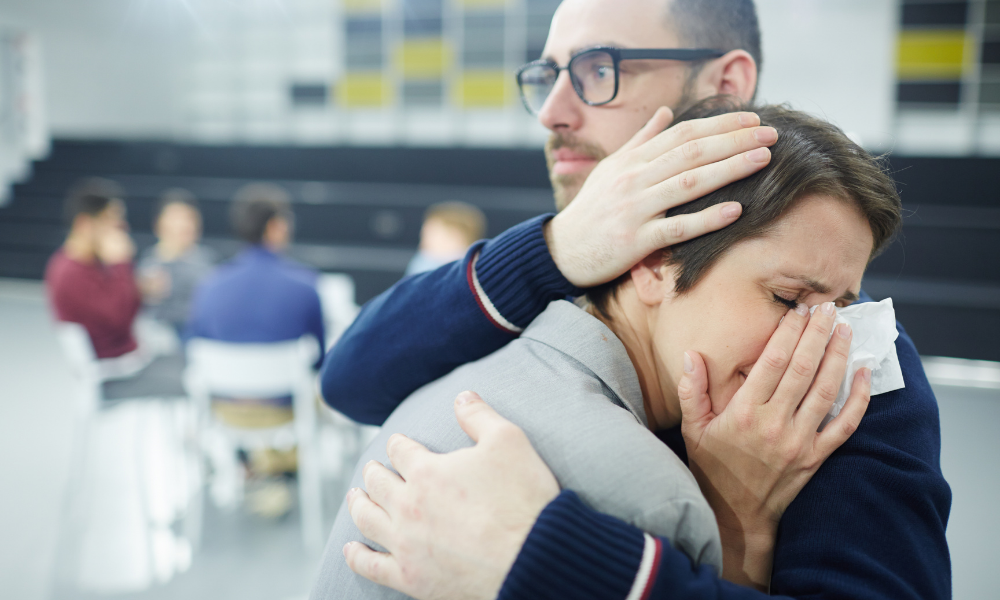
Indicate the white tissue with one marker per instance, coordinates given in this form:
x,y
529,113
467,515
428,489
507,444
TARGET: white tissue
x,y
873,346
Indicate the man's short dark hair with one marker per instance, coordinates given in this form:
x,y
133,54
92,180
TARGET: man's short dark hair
x,y
719,24
811,156
256,204
175,196
90,197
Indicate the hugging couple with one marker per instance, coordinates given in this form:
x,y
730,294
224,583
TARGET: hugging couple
x,y
647,380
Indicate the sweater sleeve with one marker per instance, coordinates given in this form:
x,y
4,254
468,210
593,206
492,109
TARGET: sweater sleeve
x,y
870,525
430,323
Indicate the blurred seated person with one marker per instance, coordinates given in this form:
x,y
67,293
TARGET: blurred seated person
x,y
259,296
448,231
170,271
89,280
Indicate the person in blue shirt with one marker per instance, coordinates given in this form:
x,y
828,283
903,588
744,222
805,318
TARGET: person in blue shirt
x,y
490,521
259,295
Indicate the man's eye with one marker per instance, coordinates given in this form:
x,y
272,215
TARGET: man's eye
x,y
785,301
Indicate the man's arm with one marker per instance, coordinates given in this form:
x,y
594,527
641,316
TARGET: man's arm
x,y
428,324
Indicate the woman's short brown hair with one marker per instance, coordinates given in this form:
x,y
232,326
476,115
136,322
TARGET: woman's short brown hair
x,y
810,157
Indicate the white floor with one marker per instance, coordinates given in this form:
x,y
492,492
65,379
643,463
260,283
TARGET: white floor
x,y
249,559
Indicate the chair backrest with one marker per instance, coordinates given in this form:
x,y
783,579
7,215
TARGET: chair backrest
x,y
76,346
337,296
79,352
250,370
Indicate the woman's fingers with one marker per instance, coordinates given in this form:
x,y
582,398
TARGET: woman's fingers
x,y
825,388
705,151
654,126
694,129
376,566
766,374
371,519
664,232
841,427
805,362
695,183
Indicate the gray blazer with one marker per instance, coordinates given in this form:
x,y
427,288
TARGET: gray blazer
x,y
568,382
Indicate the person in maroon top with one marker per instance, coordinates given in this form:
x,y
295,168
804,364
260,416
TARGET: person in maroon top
x,y
89,280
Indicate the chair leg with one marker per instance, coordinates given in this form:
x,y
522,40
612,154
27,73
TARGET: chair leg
x,y
310,497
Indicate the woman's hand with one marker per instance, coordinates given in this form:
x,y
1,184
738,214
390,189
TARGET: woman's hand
x,y
752,457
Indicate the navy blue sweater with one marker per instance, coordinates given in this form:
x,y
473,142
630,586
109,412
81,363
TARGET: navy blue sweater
x,y
869,525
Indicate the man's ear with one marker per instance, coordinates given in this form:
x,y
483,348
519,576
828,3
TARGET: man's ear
x,y
734,74
653,278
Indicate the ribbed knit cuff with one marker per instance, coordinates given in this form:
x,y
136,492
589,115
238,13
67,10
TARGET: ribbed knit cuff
x,y
517,273
575,552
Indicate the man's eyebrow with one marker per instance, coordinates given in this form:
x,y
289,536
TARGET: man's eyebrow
x,y
577,49
821,288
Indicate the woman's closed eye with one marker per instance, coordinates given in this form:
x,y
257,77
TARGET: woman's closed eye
x,y
787,302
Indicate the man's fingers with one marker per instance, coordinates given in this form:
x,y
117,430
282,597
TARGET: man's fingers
x,y
476,417
705,151
767,372
806,359
404,453
372,521
664,232
660,120
841,427
382,484
375,566
823,392
695,183
694,129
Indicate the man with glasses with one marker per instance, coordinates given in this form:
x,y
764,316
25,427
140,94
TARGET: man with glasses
x,y
488,520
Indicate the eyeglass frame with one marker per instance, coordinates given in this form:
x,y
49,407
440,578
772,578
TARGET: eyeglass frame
x,y
617,55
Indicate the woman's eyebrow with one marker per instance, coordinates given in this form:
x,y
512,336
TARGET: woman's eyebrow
x,y
821,288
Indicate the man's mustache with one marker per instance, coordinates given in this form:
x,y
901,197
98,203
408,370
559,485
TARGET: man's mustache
x,y
557,142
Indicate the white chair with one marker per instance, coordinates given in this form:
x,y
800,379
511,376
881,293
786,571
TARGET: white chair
x,y
163,492
337,296
273,370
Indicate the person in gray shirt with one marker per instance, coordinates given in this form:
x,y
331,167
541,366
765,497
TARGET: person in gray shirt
x,y
592,431
170,270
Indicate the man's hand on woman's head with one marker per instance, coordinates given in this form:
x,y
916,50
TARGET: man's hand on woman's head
x,y
452,523
753,456
616,219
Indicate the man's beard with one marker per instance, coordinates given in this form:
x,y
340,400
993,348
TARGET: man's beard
x,y
566,187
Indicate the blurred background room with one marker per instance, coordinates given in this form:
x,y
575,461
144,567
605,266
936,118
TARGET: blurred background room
x,y
365,140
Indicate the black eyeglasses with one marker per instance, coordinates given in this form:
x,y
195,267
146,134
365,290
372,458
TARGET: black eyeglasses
x,y
593,72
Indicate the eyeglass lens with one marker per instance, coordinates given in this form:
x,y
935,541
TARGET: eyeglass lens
x,y
592,74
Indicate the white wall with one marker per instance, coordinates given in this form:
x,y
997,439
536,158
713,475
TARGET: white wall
x,y
122,68
834,59
111,65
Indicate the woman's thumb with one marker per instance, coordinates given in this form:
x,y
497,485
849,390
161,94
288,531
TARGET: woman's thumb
x,y
692,390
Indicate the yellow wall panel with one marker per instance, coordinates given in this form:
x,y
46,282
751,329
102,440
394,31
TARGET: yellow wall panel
x,y
483,89
482,4
362,6
425,58
932,54
363,90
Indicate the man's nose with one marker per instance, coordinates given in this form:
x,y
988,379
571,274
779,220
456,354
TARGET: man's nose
x,y
563,109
